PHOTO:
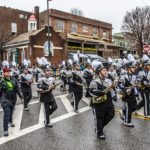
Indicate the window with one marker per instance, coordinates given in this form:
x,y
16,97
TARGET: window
x,y
25,17
60,25
85,28
95,32
13,27
105,34
74,28
21,16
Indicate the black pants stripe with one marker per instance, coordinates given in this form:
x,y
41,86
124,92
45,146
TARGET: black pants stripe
x,y
146,103
130,107
103,114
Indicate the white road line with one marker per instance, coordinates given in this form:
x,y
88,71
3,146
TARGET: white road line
x,y
66,103
17,119
34,102
86,100
39,126
41,115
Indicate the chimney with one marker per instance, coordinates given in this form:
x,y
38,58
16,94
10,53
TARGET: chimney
x,y
36,13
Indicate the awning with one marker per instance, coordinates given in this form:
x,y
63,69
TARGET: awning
x,y
94,56
85,39
81,55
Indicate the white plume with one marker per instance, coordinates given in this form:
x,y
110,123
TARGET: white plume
x,y
63,63
145,58
44,61
39,61
95,63
75,58
14,64
110,60
70,61
25,62
130,57
29,62
124,61
88,61
5,63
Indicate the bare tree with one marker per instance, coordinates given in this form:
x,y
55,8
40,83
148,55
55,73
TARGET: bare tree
x,y
77,11
137,24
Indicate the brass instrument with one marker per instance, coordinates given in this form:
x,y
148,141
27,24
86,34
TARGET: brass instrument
x,y
49,88
78,83
100,99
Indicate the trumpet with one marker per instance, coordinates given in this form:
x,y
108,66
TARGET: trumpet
x,y
49,88
108,89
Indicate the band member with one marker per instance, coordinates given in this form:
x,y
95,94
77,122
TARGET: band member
x,y
63,76
38,72
26,80
77,83
145,89
88,76
101,100
8,90
46,85
15,71
68,79
112,75
128,87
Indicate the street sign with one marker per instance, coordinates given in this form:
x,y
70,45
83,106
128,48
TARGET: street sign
x,y
46,49
146,49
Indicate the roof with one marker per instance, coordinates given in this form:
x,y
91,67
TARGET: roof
x,y
24,37
73,17
32,18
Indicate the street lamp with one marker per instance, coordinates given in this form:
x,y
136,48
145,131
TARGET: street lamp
x,y
48,38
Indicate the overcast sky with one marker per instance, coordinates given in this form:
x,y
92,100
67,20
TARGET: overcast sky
x,y
111,11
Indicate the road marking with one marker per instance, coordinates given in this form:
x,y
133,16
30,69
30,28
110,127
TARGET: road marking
x,y
34,102
18,112
41,115
40,125
66,103
86,100
135,116
16,132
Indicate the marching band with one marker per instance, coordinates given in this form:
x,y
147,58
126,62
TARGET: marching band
x,y
128,80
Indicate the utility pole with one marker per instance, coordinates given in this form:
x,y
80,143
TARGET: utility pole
x,y
48,38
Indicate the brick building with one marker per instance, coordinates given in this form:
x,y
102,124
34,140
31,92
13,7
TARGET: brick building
x,y
81,33
69,33
12,22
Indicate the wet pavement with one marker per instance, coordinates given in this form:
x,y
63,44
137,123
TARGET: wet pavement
x,y
72,131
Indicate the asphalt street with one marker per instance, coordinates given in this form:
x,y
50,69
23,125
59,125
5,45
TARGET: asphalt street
x,y
71,131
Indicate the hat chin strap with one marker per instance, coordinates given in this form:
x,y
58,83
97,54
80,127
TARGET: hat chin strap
x,y
101,76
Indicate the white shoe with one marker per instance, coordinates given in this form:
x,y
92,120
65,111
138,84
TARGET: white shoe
x,y
5,133
76,111
129,124
26,109
11,124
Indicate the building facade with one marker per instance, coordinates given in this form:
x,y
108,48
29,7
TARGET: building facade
x,y
81,33
12,22
69,33
125,43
